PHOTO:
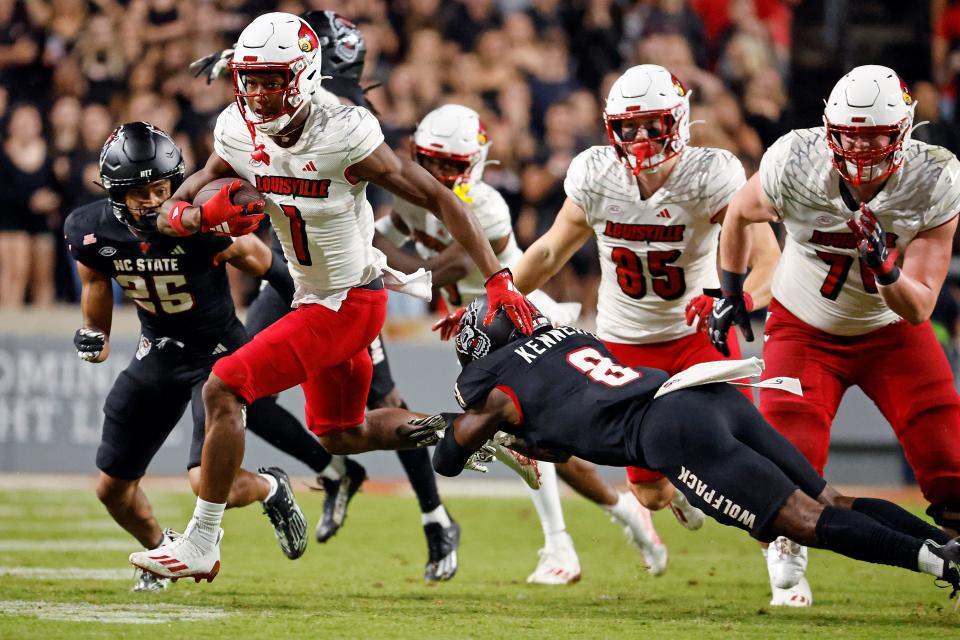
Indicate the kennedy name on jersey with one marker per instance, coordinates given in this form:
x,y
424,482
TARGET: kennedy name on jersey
x,y
297,187
645,232
147,264
538,345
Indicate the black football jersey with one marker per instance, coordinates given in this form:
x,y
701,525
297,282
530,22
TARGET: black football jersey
x,y
178,291
572,394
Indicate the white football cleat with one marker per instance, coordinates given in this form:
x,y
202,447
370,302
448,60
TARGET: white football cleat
x,y
686,514
559,565
786,563
181,558
797,596
640,532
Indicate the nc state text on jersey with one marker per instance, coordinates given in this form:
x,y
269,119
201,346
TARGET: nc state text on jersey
x,y
297,187
147,264
645,232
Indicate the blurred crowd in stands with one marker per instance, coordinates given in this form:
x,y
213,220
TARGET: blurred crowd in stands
x,y
536,70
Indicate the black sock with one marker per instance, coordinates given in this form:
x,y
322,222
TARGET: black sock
x,y
279,427
899,519
858,536
416,462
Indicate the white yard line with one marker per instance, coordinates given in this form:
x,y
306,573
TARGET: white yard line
x,y
69,545
67,573
155,613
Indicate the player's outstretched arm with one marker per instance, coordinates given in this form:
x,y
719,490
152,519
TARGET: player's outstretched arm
x,y
96,306
408,180
468,432
249,254
413,183
553,249
912,293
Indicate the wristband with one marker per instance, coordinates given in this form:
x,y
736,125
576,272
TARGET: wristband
x,y
174,217
889,277
732,283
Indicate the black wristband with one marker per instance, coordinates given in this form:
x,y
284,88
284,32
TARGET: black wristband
x,y
888,278
278,275
448,456
732,283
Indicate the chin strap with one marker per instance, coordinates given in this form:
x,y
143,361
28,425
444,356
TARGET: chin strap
x,y
258,154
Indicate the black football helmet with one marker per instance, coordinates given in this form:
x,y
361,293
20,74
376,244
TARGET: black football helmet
x,y
137,153
342,48
474,340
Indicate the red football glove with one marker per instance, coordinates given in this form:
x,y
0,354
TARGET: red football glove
x,y
447,326
501,292
220,215
872,245
700,307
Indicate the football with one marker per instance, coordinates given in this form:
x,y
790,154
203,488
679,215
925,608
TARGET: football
x,y
245,194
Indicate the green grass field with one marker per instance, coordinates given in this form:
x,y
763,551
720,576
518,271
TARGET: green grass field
x,y
366,582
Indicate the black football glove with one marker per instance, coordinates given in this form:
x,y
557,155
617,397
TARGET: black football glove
x,y
213,66
733,308
89,343
872,245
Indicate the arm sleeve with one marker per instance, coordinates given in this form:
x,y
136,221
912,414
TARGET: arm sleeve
x,y
771,169
945,199
448,456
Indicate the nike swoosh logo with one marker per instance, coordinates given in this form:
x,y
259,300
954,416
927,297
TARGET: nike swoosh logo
x,y
722,312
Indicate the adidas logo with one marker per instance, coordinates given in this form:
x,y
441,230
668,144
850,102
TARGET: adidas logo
x,y
177,251
219,349
664,214
310,166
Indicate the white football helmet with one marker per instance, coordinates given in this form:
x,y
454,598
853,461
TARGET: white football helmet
x,y
651,92
869,102
277,42
453,133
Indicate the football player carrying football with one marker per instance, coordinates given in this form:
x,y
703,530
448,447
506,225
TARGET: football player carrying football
x,y
343,51
561,392
313,162
187,322
870,216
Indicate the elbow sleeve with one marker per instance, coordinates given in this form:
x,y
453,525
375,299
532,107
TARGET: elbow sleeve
x,y
448,456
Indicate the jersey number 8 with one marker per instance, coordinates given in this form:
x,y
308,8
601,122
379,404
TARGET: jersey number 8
x,y
600,368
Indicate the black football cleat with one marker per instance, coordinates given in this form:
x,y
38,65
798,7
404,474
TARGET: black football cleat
x,y
950,553
442,545
339,493
285,515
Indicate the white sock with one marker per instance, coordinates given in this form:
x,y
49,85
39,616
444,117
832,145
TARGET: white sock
x,y
929,562
335,468
273,485
625,505
438,515
205,525
546,499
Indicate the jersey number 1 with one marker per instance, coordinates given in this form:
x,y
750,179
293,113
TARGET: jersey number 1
x,y
667,280
298,234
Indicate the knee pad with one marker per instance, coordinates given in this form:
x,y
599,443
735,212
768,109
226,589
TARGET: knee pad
x,y
945,514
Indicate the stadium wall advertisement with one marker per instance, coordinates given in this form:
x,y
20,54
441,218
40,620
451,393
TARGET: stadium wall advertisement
x,y
51,413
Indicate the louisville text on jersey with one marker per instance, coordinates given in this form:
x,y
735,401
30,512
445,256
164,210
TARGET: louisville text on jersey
x,y
842,240
645,232
299,187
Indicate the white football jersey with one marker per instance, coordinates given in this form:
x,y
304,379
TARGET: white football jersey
x,y
819,278
321,216
430,237
656,254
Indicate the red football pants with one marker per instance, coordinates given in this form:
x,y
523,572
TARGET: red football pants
x,y
323,351
902,368
673,356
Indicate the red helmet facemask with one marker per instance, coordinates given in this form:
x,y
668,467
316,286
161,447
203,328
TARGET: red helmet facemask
x,y
661,142
451,179
866,166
